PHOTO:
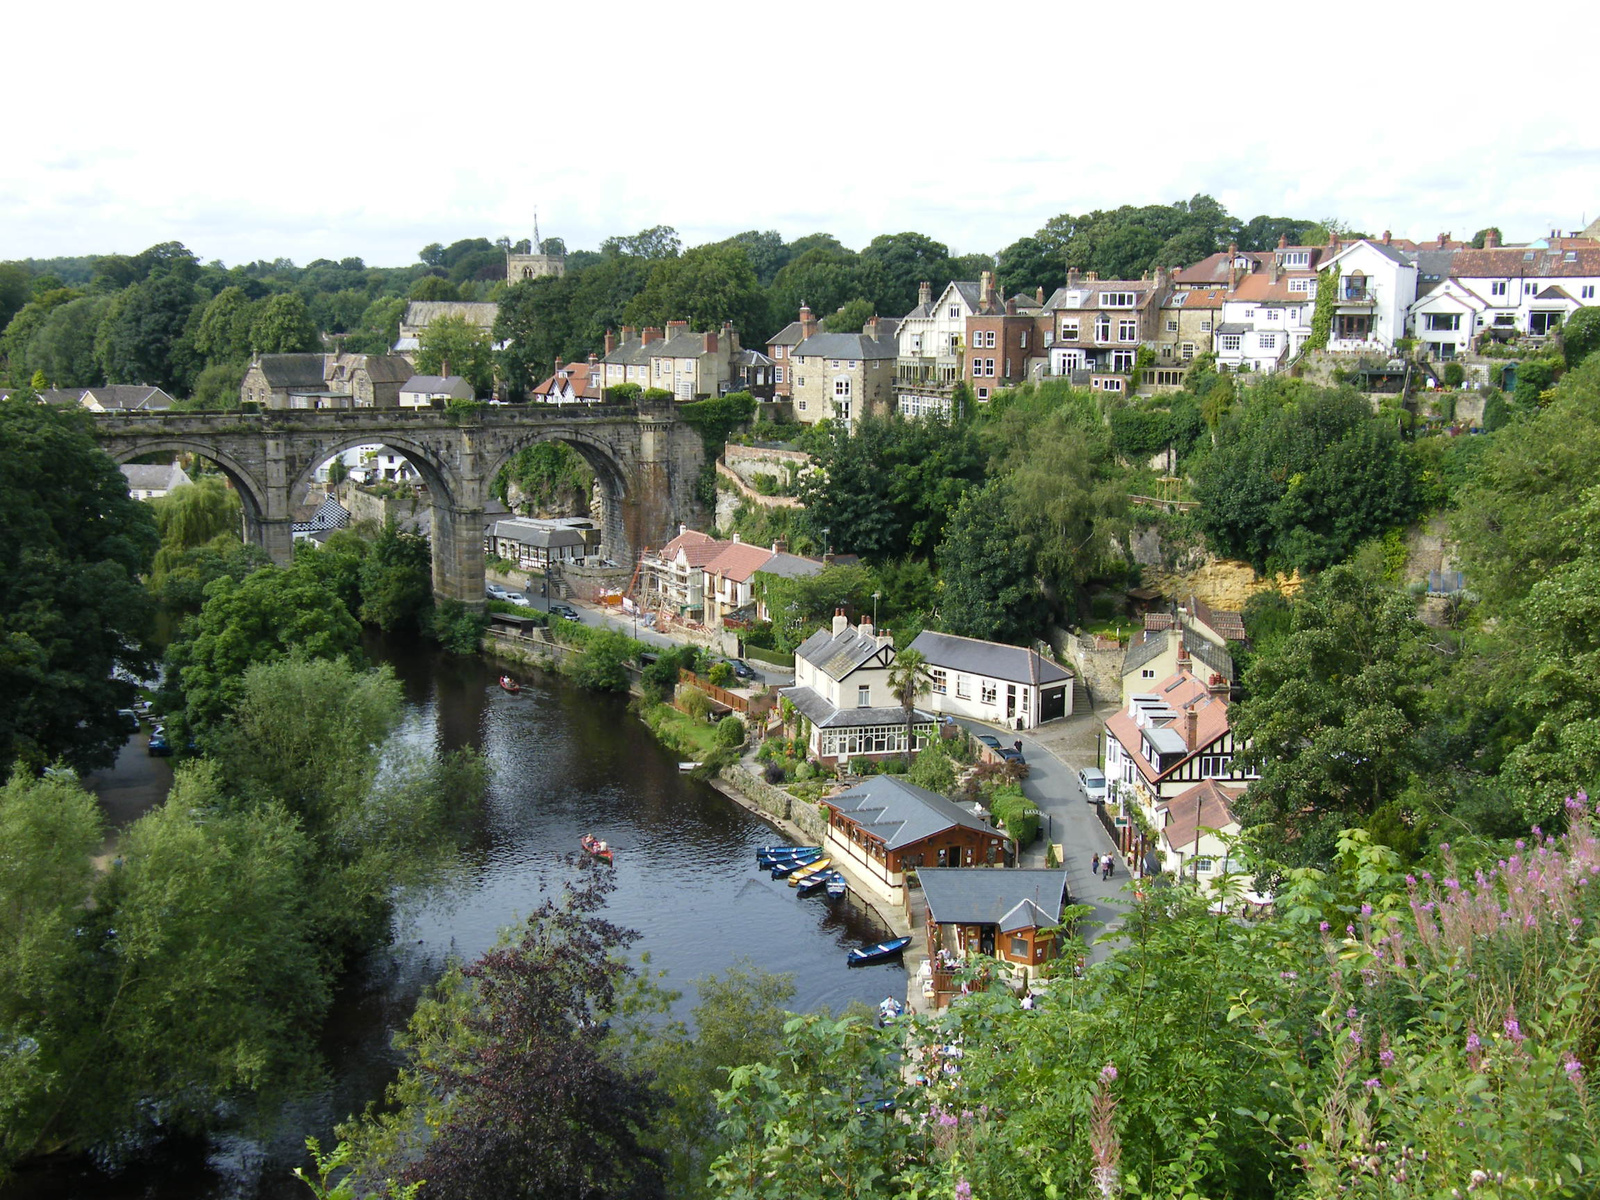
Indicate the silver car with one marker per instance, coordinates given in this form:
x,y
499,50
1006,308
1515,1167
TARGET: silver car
x,y
1093,782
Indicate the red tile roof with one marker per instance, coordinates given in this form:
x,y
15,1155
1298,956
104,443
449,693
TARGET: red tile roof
x,y
1185,694
1207,805
698,548
738,561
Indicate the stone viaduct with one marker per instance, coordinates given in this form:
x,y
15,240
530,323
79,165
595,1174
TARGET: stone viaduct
x,y
645,460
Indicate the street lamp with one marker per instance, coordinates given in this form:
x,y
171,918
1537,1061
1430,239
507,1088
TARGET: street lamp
x,y
875,596
827,546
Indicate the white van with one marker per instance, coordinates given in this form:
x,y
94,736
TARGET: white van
x,y
1093,782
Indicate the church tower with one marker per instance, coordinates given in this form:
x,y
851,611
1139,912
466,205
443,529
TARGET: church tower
x,y
537,264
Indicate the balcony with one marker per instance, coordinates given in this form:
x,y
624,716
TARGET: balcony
x,y
1355,297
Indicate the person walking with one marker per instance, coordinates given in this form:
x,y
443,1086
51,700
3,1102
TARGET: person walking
x,y
1109,869
1094,864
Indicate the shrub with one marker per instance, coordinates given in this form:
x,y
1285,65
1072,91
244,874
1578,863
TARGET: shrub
x,y
694,702
730,731
720,675
1454,374
602,665
1019,814
456,629
1104,607
774,772
892,766
932,770
863,766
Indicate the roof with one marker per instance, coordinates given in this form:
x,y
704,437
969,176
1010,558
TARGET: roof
x,y
1393,253
751,358
151,477
1158,620
1152,644
1207,805
791,334
453,386
292,370
698,548
1020,898
899,813
738,561
330,514
574,376
837,655
127,396
540,536
1165,710
1235,327
1520,263
1227,624
422,313
1085,293
994,659
1196,298
385,368
1262,289
791,566
825,715
636,352
857,346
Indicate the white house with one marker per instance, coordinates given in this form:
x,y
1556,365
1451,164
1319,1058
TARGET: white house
x,y
994,682
1524,290
728,579
929,347
532,543
421,391
1265,320
841,687
1377,286
1448,318
146,481
1193,841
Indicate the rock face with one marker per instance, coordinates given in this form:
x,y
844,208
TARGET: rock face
x,y
1220,582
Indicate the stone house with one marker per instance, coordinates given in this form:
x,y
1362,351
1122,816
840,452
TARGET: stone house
x,y
840,376
692,366
1093,328
420,314
841,688
147,481
990,681
285,381
370,380
1188,319
433,391
884,825
780,349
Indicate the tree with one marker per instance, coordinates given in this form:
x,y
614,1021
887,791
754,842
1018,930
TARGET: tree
x,y
989,587
535,319
894,265
397,580
1028,264
602,666
705,286
909,678
141,339
766,251
455,346
823,278
659,241
74,618
62,348
1580,335
512,1085
258,619
16,289
283,326
1333,717
850,318
223,334
190,516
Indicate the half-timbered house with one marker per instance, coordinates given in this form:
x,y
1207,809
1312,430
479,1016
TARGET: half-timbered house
x,y
841,688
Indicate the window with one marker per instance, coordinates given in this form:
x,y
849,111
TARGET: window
x,y
1249,314
1230,341
916,343
983,393
1529,289
1117,299
1273,314
801,381
988,691
1024,336
802,403
1302,285
988,366
1498,288
1203,864
1172,327
985,338
1069,331
833,364
963,688
1216,766
1122,360
1297,258
1102,328
1205,326
1127,331
864,696
1586,292
936,674
777,374
1267,341
1147,673
841,409
851,364
841,387
1110,385
1442,321
955,312
1019,947
1186,351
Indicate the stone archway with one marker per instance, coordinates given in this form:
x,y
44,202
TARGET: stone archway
x,y
618,493
254,496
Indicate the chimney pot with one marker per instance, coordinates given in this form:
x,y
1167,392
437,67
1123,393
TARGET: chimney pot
x,y
1072,276
628,333
1491,240
924,294
1283,241
1093,276
611,341
1387,237
840,622
1038,294
711,342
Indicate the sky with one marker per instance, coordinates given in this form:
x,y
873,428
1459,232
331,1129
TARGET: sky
x,y
329,130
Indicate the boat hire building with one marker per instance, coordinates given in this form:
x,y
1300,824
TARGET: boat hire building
x,y
990,681
841,686
1008,915
884,825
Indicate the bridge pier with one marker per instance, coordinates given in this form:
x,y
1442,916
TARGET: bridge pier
x,y
458,554
275,535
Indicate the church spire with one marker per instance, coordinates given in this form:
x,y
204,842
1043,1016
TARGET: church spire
x,y
538,246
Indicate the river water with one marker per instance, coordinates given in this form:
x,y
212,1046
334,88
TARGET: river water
x,y
562,762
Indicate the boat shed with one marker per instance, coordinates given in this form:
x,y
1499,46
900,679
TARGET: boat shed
x,y
883,826
1007,915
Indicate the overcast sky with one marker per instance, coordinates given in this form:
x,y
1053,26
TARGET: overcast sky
x,y
309,130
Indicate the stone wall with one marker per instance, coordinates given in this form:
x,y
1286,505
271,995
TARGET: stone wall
x,y
587,583
1100,670
776,802
365,506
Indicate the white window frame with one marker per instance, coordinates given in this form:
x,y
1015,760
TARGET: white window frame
x,y
863,695
1119,300
1128,330
1498,288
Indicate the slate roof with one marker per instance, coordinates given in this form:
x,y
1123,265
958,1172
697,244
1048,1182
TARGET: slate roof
x,y
293,370
1223,622
540,536
330,514
994,659
824,715
453,386
1152,645
151,477
1020,898
837,656
128,397
385,368
790,335
856,346
790,566
901,813
751,358
1213,656
1517,263
1234,327
422,313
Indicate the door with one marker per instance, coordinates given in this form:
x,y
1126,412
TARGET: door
x,y
1011,700
1052,704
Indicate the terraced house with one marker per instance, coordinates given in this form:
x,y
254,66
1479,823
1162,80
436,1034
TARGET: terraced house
x,y
1093,327
692,366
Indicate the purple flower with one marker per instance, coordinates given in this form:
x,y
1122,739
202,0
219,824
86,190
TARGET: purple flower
x,y
963,1190
1513,1026
1108,1074
1355,1036
1323,927
1366,910
1373,1085
947,1119
1473,1044
1386,1058
1573,1068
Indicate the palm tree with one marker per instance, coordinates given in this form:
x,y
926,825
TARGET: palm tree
x,y
908,679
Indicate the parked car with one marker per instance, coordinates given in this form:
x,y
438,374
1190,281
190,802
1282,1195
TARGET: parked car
x,y
130,719
159,746
1093,782
989,740
566,612
516,598
494,591
741,668
1011,754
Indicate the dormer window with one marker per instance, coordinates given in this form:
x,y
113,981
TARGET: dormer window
x,y
1297,258
1117,300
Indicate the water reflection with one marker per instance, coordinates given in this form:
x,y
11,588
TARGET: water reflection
x,y
563,762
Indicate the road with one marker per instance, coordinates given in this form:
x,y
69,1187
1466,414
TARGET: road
x,y
1054,755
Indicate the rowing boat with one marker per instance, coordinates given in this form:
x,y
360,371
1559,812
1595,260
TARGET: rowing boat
x,y
811,868
882,951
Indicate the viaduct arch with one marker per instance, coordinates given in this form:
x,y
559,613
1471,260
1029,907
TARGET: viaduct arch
x,y
645,459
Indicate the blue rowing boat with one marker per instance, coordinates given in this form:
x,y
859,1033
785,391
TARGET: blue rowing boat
x,y
879,953
837,887
786,868
812,884
767,855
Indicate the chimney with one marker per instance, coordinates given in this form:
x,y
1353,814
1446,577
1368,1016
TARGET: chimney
x,y
1093,277
1233,274
840,622
730,335
1333,240
779,546
1038,295
1443,238
1217,686
611,341
1387,237
1191,730
866,631
870,329
444,369
985,286
674,328
1233,250
808,323
1491,240
736,537
649,334
558,365
628,332
1283,241
1276,268
682,529
593,358
1072,277
711,342
924,294
1011,306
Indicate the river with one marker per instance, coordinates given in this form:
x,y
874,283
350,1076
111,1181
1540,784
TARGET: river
x,y
562,762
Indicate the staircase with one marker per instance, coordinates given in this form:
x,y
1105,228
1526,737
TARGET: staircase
x,y
1082,701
